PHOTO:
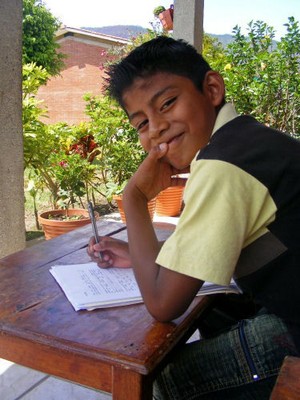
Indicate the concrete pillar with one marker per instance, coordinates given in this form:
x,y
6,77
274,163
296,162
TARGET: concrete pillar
x,y
188,21
12,225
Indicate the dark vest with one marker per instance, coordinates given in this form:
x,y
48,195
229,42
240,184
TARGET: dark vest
x,y
269,268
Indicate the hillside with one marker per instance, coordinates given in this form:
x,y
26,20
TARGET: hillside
x,y
123,31
224,39
127,31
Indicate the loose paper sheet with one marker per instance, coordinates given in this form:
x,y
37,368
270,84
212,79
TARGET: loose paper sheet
x,y
88,287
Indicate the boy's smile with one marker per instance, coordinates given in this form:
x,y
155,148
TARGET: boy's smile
x,y
168,108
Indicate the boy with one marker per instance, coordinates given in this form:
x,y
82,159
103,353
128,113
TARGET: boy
x,y
241,219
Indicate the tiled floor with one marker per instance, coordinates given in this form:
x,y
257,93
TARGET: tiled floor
x,y
20,383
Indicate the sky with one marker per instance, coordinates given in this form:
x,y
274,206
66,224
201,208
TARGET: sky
x,y
220,16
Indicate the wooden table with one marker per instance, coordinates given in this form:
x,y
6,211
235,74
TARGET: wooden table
x,y
287,385
117,350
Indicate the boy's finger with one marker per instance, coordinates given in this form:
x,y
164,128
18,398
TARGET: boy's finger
x,y
159,151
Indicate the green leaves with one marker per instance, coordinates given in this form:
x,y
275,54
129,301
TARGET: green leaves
x,y
39,45
120,152
71,174
263,79
69,160
48,153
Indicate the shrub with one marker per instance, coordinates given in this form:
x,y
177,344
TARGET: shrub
x,y
262,79
120,152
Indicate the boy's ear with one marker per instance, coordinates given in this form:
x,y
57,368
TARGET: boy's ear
x,y
214,87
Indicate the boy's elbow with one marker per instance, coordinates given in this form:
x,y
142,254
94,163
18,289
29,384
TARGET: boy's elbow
x,y
162,316
164,313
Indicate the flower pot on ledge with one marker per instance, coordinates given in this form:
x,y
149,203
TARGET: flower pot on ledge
x,y
118,200
58,222
169,201
166,19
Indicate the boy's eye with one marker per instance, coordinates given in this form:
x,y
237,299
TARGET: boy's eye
x,y
141,125
168,103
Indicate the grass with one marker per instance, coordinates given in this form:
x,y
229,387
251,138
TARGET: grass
x,y
31,235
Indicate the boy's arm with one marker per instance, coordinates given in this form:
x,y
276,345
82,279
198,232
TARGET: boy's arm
x,y
166,293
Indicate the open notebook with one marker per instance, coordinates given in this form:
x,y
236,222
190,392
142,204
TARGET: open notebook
x,y
88,287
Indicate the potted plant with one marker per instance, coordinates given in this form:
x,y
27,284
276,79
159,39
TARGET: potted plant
x,y
169,201
114,192
119,201
67,178
165,16
60,221
158,10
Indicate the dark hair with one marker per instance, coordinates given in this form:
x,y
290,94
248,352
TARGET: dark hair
x,y
162,54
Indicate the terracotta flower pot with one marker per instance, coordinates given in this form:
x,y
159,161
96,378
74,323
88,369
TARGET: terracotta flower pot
x,y
151,207
52,226
169,201
166,19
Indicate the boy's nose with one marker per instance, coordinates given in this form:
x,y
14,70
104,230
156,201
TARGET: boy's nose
x,y
157,126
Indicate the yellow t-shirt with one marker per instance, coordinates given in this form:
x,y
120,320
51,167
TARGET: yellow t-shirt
x,y
221,216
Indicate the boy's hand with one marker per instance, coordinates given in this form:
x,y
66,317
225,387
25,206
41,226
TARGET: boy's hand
x,y
154,174
115,252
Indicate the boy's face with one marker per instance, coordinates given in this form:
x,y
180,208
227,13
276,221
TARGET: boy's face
x,y
167,108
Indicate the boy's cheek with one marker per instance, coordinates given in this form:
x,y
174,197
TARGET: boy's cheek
x,y
145,143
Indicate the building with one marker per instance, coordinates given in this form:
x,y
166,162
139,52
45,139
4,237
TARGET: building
x,y
85,52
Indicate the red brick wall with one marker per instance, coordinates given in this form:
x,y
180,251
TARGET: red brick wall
x,y
63,95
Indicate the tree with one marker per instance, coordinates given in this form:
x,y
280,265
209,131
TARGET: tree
x,y
264,81
213,52
39,45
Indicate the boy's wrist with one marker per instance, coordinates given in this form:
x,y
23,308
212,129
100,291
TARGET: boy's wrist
x,y
133,195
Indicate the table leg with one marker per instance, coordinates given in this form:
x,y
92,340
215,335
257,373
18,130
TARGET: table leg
x,y
130,385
